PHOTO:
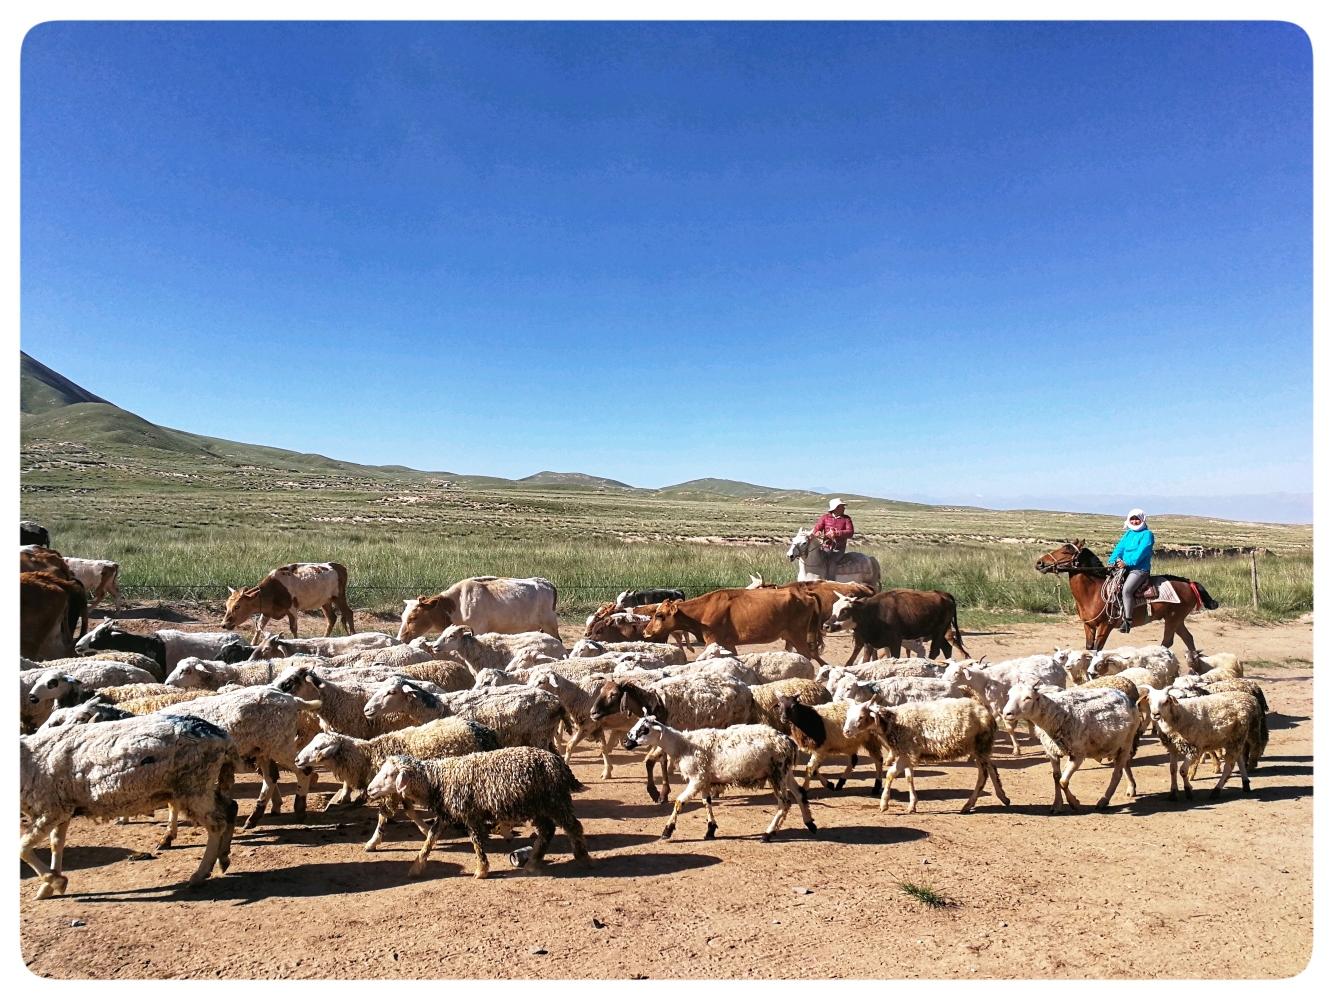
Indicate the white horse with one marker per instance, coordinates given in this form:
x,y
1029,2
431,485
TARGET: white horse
x,y
849,567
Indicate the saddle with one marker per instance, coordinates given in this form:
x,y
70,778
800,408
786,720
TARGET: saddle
x,y
1155,589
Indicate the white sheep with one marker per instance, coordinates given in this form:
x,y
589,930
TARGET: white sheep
x,y
577,698
947,729
274,647
667,653
121,768
1230,722
1160,661
520,715
492,650
1075,724
1075,663
909,666
711,760
889,691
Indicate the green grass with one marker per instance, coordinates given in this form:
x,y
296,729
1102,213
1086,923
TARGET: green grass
x,y
186,517
924,893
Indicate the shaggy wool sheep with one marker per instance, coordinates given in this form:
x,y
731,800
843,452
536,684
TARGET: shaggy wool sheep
x,y
510,785
1075,724
120,768
1231,723
819,730
492,650
764,700
355,762
948,729
712,760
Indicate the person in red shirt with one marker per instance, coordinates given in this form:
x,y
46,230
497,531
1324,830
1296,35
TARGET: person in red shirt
x,y
835,528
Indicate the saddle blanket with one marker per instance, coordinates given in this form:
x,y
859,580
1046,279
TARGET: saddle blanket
x,y
1158,589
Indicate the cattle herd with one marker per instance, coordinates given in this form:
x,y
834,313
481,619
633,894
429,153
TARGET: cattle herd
x,y
466,720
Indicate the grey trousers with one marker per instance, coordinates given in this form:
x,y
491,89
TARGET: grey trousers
x,y
1134,579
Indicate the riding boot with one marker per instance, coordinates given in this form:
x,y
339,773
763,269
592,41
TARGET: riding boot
x,y
1125,623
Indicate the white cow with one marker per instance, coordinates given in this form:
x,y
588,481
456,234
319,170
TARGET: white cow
x,y
485,604
98,576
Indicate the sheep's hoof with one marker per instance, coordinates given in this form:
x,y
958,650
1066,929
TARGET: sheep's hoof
x,y
299,805
277,805
482,873
841,783
810,825
876,788
372,845
710,831
966,810
224,862
667,833
196,880
1102,804
1214,793
1190,795
253,818
163,844
653,793
533,866
418,867
766,837
1172,796
1246,787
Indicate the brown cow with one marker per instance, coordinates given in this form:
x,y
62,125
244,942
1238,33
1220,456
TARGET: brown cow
x,y
734,616
49,606
40,559
289,589
885,619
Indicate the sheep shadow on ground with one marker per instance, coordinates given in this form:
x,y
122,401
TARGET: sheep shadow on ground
x,y
161,614
1278,720
308,880
877,835
78,858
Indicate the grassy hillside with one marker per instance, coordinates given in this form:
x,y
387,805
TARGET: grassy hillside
x,y
187,515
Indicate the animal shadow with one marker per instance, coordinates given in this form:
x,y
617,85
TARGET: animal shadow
x,y
871,834
159,613
1277,721
77,858
297,881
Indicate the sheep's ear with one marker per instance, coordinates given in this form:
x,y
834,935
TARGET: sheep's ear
x,y
401,782
406,689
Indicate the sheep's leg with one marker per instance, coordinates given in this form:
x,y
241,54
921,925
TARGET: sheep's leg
x,y
419,865
339,796
666,777
304,778
574,830
1014,742
58,847
996,783
1056,780
1172,771
889,783
1066,775
173,819
874,754
693,788
265,793
1230,758
421,820
843,778
607,739
813,767
276,795
649,759
712,826
977,789
580,733
52,882
1130,777
215,820
1118,765
227,805
1184,770
796,793
384,817
1244,768
545,830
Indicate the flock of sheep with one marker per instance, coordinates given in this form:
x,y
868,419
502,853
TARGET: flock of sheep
x,y
475,731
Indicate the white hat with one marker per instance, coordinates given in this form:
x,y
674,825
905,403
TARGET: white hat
x,y
836,502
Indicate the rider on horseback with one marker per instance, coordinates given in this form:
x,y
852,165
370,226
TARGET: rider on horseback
x,y
1135,550
833,529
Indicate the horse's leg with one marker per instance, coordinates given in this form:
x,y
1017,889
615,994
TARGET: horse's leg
x,y
1089,635
1103,631
1191,652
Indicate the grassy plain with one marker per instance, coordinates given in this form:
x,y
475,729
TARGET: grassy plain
x,y
185,525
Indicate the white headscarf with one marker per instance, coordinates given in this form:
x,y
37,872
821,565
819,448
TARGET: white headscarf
x,y
1143,521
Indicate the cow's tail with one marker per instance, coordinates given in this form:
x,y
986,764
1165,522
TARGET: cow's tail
x,y
956,636
76,610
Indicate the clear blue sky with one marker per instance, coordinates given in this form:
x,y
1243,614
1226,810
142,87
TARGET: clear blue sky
x,y
896,259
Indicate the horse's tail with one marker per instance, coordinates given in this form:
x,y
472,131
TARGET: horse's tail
x,y
1206,601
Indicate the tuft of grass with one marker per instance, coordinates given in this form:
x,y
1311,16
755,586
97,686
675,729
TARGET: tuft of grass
x,y
923,893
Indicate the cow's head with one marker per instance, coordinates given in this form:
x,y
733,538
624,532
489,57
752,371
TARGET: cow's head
x,y
423,615
242,604
841,615
663,622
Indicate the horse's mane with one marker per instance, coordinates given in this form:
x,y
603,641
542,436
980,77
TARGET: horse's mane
x,y
1089,561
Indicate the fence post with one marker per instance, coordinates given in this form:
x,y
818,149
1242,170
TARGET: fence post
x,y
1255,583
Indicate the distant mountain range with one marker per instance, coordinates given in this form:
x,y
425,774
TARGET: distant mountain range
x,y
56,409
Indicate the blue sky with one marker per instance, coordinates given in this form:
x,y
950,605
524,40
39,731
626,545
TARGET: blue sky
x,y
956,260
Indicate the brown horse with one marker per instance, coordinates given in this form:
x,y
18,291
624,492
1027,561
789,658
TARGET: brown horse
x,y
1086,576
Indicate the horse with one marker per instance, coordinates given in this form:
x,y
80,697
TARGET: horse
x,y
848,567
1086,576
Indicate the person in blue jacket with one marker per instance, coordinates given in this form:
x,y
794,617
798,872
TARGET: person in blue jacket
x,y
1135,549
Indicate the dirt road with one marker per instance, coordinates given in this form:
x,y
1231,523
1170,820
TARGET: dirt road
x,y
1150,888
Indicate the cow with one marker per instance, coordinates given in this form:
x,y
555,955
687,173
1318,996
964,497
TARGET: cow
x,y
827,592
32,533
40,559
98,576
734,616
886,619
484,604
628,599
289,589
50,608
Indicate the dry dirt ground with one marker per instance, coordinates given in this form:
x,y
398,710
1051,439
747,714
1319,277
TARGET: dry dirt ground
x,y
1150,888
